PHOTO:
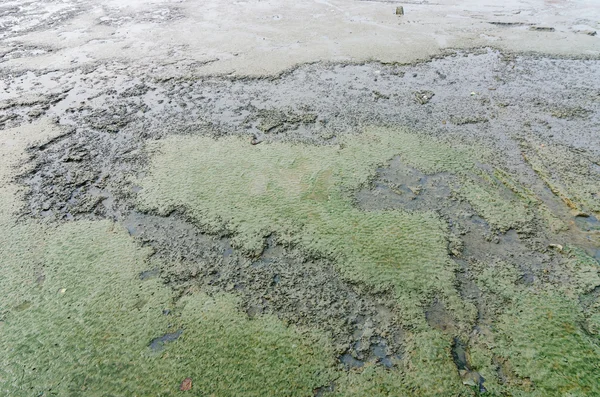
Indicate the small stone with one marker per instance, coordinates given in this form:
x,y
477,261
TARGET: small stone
x,y
400,10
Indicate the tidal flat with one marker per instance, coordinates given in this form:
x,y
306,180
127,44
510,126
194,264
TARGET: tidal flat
x,y
224,218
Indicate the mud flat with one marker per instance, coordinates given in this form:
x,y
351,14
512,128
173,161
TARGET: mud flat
x,y
206,199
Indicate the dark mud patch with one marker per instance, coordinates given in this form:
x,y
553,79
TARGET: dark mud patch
x,y
158,344
473,246
587,223
439,318
281,281
508,24
469,377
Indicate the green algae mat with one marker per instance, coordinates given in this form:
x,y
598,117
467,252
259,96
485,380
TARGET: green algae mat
x,y
76,318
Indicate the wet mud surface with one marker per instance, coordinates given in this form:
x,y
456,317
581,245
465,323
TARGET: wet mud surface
x,y
531,115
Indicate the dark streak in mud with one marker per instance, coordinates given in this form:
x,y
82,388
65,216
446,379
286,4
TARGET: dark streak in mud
x,y
158,344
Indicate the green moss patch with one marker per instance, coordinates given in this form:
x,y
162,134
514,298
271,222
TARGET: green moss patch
x,y
569,174
541,337
76,318
302,194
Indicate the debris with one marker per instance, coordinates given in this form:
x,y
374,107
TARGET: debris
x,y
186,384
254,140
400,10
558,247
415,189
62,290
542,29
423,97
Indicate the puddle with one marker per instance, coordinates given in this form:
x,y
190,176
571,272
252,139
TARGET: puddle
x,y
380,351
351,362
23,306
459,355
132,230
40,280
148,274
469,377
228,250
272,250
158,344
588,223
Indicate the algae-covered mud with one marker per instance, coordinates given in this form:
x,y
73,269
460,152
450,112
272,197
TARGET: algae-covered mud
x,y
384,221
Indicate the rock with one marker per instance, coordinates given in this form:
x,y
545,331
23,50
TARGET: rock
x,y
400,10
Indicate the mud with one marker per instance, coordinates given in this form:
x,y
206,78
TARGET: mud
x,y
116,119
280,281
518,198
488,99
